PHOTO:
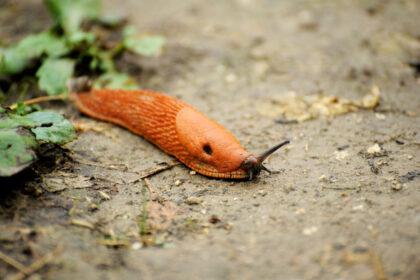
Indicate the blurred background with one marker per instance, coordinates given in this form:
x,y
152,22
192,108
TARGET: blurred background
x,y
341,79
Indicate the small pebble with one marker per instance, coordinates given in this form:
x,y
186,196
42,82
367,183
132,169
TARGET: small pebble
x,y
93,207
192,172
322,177
262,192
358,207
230,78
399,142
310,230
396,187
340,155
300,211
261,68
307,20
136,246
374,149
178,183
343,147
380,116
214,219
338,246
193,200
410,156
360,249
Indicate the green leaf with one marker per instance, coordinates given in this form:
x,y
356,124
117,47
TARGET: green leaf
x,y
16,58
52,127
115,80
101,60
69,14
17,143
82,37
14,121
146,45
53,75
23,109
16,150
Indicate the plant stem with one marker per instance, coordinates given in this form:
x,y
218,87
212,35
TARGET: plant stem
x,y
40,99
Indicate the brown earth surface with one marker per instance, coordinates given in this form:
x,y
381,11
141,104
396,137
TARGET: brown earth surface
x,y
330,209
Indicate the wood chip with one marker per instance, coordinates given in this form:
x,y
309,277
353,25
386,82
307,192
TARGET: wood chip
x,y
82,223
104,195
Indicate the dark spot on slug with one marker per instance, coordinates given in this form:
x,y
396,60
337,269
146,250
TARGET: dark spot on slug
x,y
207,149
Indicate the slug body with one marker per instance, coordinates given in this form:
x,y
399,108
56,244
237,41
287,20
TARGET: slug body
x,y
176,128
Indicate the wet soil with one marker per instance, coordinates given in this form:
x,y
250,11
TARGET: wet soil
x,y
329,209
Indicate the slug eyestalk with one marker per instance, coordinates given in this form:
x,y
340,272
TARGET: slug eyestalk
x,y
254,164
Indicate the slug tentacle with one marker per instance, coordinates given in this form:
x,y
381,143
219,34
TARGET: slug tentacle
x,y
177,129
253,164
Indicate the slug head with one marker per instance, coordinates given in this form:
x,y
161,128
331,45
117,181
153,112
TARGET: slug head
x,y
212,151
254,164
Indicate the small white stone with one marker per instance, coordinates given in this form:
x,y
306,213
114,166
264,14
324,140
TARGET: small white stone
x,y
358,207
310,230
192,172
380,116
261,68
300,211
178,183
230,78
322,177
374,149
136,246
340,155
193,200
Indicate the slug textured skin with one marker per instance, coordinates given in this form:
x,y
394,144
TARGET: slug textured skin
x,y
172,125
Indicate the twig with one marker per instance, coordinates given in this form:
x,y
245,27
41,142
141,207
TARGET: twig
x,y
82,223
142,174
40,99
37,265
377,266
14,263
110,180
156,169
75,204
341,188
153,194
143,222
114,242
91,163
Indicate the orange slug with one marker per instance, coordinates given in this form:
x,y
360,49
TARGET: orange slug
x,y
177,129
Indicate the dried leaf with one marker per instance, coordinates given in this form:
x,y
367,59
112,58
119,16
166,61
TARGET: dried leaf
x,y
161,215
300,109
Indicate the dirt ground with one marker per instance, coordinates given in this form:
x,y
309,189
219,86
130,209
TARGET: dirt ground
x,y
330,209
